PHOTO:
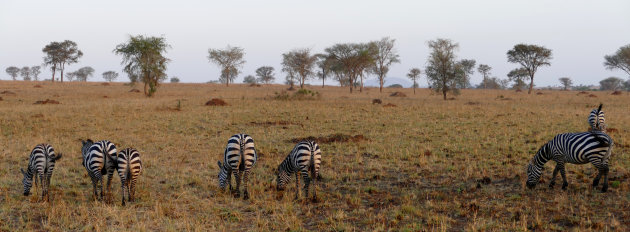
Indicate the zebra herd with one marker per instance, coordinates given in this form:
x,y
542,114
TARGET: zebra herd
x,y
101,159
594,146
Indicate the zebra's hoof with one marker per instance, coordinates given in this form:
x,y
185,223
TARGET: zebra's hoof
x,y
564,186
245,195
605,189
551,185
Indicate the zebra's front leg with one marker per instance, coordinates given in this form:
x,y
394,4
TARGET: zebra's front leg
x,y
553,176
229,180
307,182
605,173
563,173
245,178
297,185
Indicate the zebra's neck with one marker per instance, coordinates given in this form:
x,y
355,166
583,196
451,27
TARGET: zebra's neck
x,y
542,156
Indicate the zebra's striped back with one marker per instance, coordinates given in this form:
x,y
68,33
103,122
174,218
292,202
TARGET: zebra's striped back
x,y
41,164
577,148
596,119
240,154
304,158
129,168
98,157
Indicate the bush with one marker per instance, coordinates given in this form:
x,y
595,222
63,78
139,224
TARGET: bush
x,y
395,86
174,80
302,94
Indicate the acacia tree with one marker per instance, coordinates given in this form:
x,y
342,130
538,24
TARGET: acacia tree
x,y
12,71
385,56
301,63
110,76
144,60
518,75
566,82
325,63
35,71
60,54
25,72
530,57
250,79
290,78
351,60
229,60
611,83
465,68
414,74
83,73
265,74
619,60
442,68
485,72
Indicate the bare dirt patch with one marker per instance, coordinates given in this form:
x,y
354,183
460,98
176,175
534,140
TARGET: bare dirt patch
x,y
539,93
254,85
105,84
377,101
582,93
1,99
617,92
338,137
592,95
37,86
398,94
134,90
611,130
7,92
472,103
216,102
37,116
389,105
47,101
276,123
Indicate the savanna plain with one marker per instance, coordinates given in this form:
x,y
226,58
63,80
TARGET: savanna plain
x,y
425,164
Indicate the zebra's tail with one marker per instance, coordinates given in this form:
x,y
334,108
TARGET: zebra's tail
x,y
105,155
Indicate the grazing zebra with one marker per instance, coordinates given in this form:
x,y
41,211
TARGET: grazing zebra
x,y
304,158
129,168
575,148
239,158
596,120
99,160
41,164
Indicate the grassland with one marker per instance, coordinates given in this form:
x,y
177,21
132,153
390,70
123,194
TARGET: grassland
x,y
427,164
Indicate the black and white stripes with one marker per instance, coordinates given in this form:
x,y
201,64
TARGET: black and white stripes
x,y
99,159
129,168
304,159
575,148
40,165
239,158
596,120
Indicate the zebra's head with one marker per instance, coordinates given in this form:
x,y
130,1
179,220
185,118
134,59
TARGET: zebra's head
x,y
86,144
282,178
533,175
223,174
27,182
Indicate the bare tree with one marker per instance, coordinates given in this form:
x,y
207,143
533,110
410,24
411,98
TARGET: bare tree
x,y
414,74
443,71
265,74
144,60
301,63
230,60
566,82
35,71
530,57
13,71
385,56
110,76
619,60
485,72
25,72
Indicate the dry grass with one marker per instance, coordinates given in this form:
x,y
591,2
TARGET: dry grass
x,y
428,164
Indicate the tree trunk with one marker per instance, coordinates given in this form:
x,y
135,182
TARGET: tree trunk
x,y
414,87
361,88
302,82
380,80
444,93
53,69
323,79
63,66
531,85
145,88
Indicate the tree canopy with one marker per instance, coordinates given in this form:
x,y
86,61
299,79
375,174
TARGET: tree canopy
x,y
13,71
484,69
144,60
25,72
110,76
414,74
566,82
60,54
611,83
35,71
350,61
619,60
265,74
301,63
444,73
230,60
530,57
83,73
385,56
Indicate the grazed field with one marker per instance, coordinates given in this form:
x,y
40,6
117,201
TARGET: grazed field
x,y
426,164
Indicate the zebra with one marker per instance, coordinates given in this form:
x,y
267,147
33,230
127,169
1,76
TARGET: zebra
x,y
596,120
41,163
129,168
239,158
304,158
575,148
99,160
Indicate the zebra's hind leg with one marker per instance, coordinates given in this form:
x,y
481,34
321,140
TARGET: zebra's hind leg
x,y
307,183
123,186
605,173
42,181
245,178
297,185
237,176
314,175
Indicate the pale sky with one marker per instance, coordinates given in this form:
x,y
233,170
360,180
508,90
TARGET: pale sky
x,y
580,33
